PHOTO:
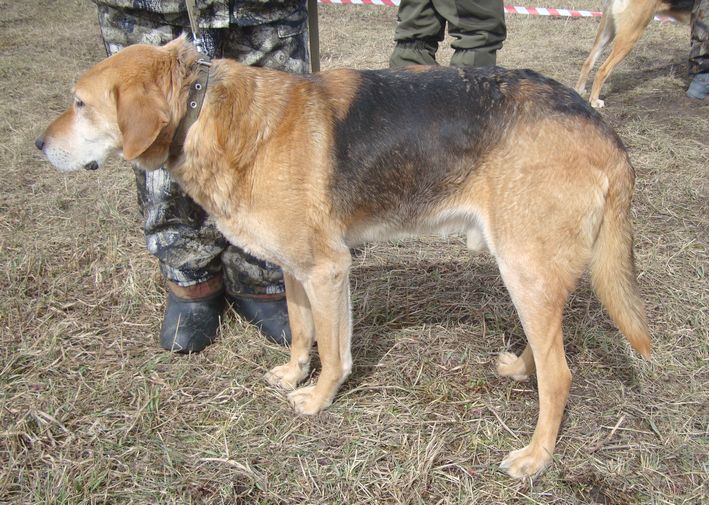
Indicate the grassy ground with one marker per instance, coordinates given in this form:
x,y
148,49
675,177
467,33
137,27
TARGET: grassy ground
x,y
91,411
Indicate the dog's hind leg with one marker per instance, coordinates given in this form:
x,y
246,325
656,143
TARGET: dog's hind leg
x,y
539,294
302,327
328,290
629,27
604,35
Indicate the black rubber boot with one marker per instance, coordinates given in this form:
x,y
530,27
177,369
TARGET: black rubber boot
x,y
268,313
190,325
699,87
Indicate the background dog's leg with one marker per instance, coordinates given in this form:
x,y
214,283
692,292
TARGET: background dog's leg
x,y
628,29
680,15
519,367
328,290
300,316
539,298
604,35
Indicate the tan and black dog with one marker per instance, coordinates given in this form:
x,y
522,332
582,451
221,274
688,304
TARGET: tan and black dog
x,y
622,24
298,169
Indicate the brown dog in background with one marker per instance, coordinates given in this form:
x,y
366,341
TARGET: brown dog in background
x,y
299,169
622,23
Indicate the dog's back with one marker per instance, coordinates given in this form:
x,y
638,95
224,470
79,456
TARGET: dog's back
x,y
417,135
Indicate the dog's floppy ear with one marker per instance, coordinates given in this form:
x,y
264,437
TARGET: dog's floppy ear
x,y
142,114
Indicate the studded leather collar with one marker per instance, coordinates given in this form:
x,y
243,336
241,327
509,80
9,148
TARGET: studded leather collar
x,y
195,98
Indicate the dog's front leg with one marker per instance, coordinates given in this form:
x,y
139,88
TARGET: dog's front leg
x,y
328,290
302,327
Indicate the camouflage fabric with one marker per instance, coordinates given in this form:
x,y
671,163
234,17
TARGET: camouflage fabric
x,y
699,45
478,27
279,44
212,13
177,230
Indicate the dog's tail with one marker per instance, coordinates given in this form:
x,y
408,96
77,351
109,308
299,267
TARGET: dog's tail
x,y
612,263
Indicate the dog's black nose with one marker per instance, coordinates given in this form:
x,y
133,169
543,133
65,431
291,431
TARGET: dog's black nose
x,y
39,143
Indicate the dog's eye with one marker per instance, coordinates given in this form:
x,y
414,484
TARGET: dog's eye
x,y
78,102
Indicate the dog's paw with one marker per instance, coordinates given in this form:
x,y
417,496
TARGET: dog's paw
x,y
598,103
525,463
307,401
286,376
510,365
476,241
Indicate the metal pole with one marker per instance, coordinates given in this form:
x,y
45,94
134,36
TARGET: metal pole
x,y
314,35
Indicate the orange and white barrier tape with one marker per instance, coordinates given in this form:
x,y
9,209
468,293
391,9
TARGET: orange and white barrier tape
x,y
510,9
543,11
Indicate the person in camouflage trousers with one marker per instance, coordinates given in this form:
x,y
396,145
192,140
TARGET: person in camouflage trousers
x,y
478,27
201,268
699,50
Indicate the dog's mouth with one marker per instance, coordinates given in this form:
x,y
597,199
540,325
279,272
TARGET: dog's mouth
x,y
92,165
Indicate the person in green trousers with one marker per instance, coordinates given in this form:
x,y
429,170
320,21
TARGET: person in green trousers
x,y
478,27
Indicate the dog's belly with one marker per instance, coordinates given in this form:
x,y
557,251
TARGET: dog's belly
x,y
452,221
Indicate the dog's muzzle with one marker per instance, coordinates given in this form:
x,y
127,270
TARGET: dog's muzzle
x,y
93,165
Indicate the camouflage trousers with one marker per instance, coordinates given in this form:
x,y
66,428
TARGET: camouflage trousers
x,y
179,232
699,45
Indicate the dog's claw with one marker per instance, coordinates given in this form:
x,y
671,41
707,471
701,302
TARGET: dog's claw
x,y
525,463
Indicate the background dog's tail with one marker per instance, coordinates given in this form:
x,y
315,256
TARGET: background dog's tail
x,y
612,264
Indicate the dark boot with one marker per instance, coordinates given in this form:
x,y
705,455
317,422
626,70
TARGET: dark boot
x,y
699,87
192,316
269,313
256,290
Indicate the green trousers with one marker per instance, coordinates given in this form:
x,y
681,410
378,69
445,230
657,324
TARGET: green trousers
x,y
478,27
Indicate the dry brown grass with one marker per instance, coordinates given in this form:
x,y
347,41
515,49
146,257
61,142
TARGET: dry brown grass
x,y
92,411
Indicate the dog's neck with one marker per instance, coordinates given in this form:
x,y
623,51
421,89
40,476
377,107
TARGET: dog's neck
x,y
195,98
222,153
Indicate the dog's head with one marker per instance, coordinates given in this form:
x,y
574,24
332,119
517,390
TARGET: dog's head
x,y
120,105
